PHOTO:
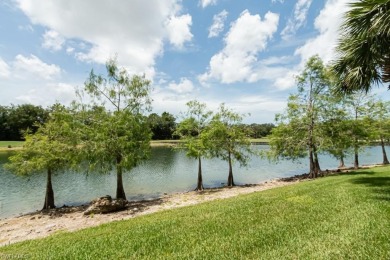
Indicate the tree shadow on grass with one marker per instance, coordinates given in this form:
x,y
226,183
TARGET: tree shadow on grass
x,y
348,173
380,185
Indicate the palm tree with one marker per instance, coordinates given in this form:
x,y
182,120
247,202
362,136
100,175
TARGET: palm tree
x,y
364,46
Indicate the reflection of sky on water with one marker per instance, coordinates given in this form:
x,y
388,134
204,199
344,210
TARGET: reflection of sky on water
x,y
167,171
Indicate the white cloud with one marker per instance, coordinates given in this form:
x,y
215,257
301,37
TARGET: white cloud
x,y
205,3
48,94
327,24
261,108
247,37
184,86
277,60
27,28
4,69
294,23
134,30
218,24
179,31
33,66
52,40
286,81
261,102
69,50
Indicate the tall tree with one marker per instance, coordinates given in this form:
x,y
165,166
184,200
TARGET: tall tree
x,y
192,132
302,118
357,105
117,134
364,46
228,140
52,148
380,116
337,128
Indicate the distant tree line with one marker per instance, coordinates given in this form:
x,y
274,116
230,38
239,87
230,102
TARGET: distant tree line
x,y
14,120
164,126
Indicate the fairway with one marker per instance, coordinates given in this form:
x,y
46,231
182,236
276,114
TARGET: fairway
x,y
337,217
11,143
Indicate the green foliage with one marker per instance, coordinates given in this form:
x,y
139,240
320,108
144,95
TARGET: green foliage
x,y
364,46
287,141
192,132
15,120
357,106
116,134
162,127
298,128
379,115
191,129
259,130
338,217
119,89
53,146
227,138
113,135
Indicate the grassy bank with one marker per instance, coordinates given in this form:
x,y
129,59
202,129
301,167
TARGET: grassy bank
x,y
10,145
155,143
338,217
15,145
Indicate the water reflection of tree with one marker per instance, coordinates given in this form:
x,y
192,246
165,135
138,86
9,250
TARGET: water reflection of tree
x,y
4,157
162,160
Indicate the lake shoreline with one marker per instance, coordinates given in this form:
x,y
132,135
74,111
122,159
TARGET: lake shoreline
x,y
41,224
153,143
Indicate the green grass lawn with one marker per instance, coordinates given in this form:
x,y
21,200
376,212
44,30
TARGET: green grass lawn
x,y
11,143
337,217
161,142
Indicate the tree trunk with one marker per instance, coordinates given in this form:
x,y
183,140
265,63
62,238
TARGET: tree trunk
x,y
230,178
49,197
342,164
356,163
310,112
311,164
120,191
385,160
317,168
199,186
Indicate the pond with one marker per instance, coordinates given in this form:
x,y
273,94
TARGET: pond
x,y
167,171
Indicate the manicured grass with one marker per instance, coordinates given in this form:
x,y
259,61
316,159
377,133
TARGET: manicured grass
x,y
168,143
155,143
338,217
260,140
11,143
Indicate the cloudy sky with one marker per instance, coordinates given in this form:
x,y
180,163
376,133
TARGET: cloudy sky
x,y
243,53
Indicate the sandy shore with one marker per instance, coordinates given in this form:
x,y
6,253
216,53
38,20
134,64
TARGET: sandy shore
x,y
43,224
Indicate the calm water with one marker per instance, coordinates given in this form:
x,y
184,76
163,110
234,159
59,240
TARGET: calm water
x,y
167,171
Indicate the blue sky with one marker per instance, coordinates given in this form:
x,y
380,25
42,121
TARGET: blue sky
x,y
244,53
